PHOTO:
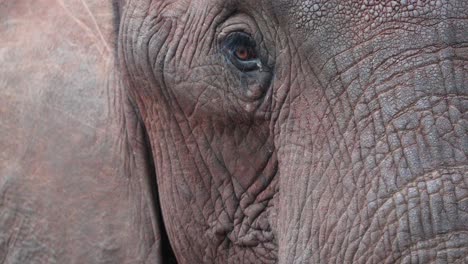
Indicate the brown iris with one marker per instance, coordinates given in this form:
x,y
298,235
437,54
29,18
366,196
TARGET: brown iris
x,y
245,53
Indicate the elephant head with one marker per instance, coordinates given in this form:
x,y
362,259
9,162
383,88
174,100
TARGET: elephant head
x,y
233,131
304,131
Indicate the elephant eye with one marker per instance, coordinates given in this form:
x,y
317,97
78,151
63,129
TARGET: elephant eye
x,y
240,49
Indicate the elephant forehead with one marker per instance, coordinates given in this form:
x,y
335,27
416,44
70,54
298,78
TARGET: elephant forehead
x,y
310,14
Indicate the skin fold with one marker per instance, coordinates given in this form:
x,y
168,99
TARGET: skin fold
x,y
132,134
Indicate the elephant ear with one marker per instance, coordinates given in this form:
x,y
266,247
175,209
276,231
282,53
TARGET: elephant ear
x,y
76,179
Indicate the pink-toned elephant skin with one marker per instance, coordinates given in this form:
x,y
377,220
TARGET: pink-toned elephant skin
x,y
233,131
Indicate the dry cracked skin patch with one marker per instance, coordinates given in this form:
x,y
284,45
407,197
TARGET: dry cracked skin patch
x,y
310,14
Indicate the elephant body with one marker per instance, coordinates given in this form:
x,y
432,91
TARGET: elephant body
x,y
213,131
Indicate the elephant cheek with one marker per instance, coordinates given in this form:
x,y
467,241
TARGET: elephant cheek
x,y
389,187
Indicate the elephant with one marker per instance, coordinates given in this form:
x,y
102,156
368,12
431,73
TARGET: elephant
x,y
234,131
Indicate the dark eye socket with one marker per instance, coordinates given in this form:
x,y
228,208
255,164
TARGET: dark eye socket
x,y
241,50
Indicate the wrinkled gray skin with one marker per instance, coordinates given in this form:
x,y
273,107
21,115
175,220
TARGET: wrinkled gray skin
x,y
350,147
